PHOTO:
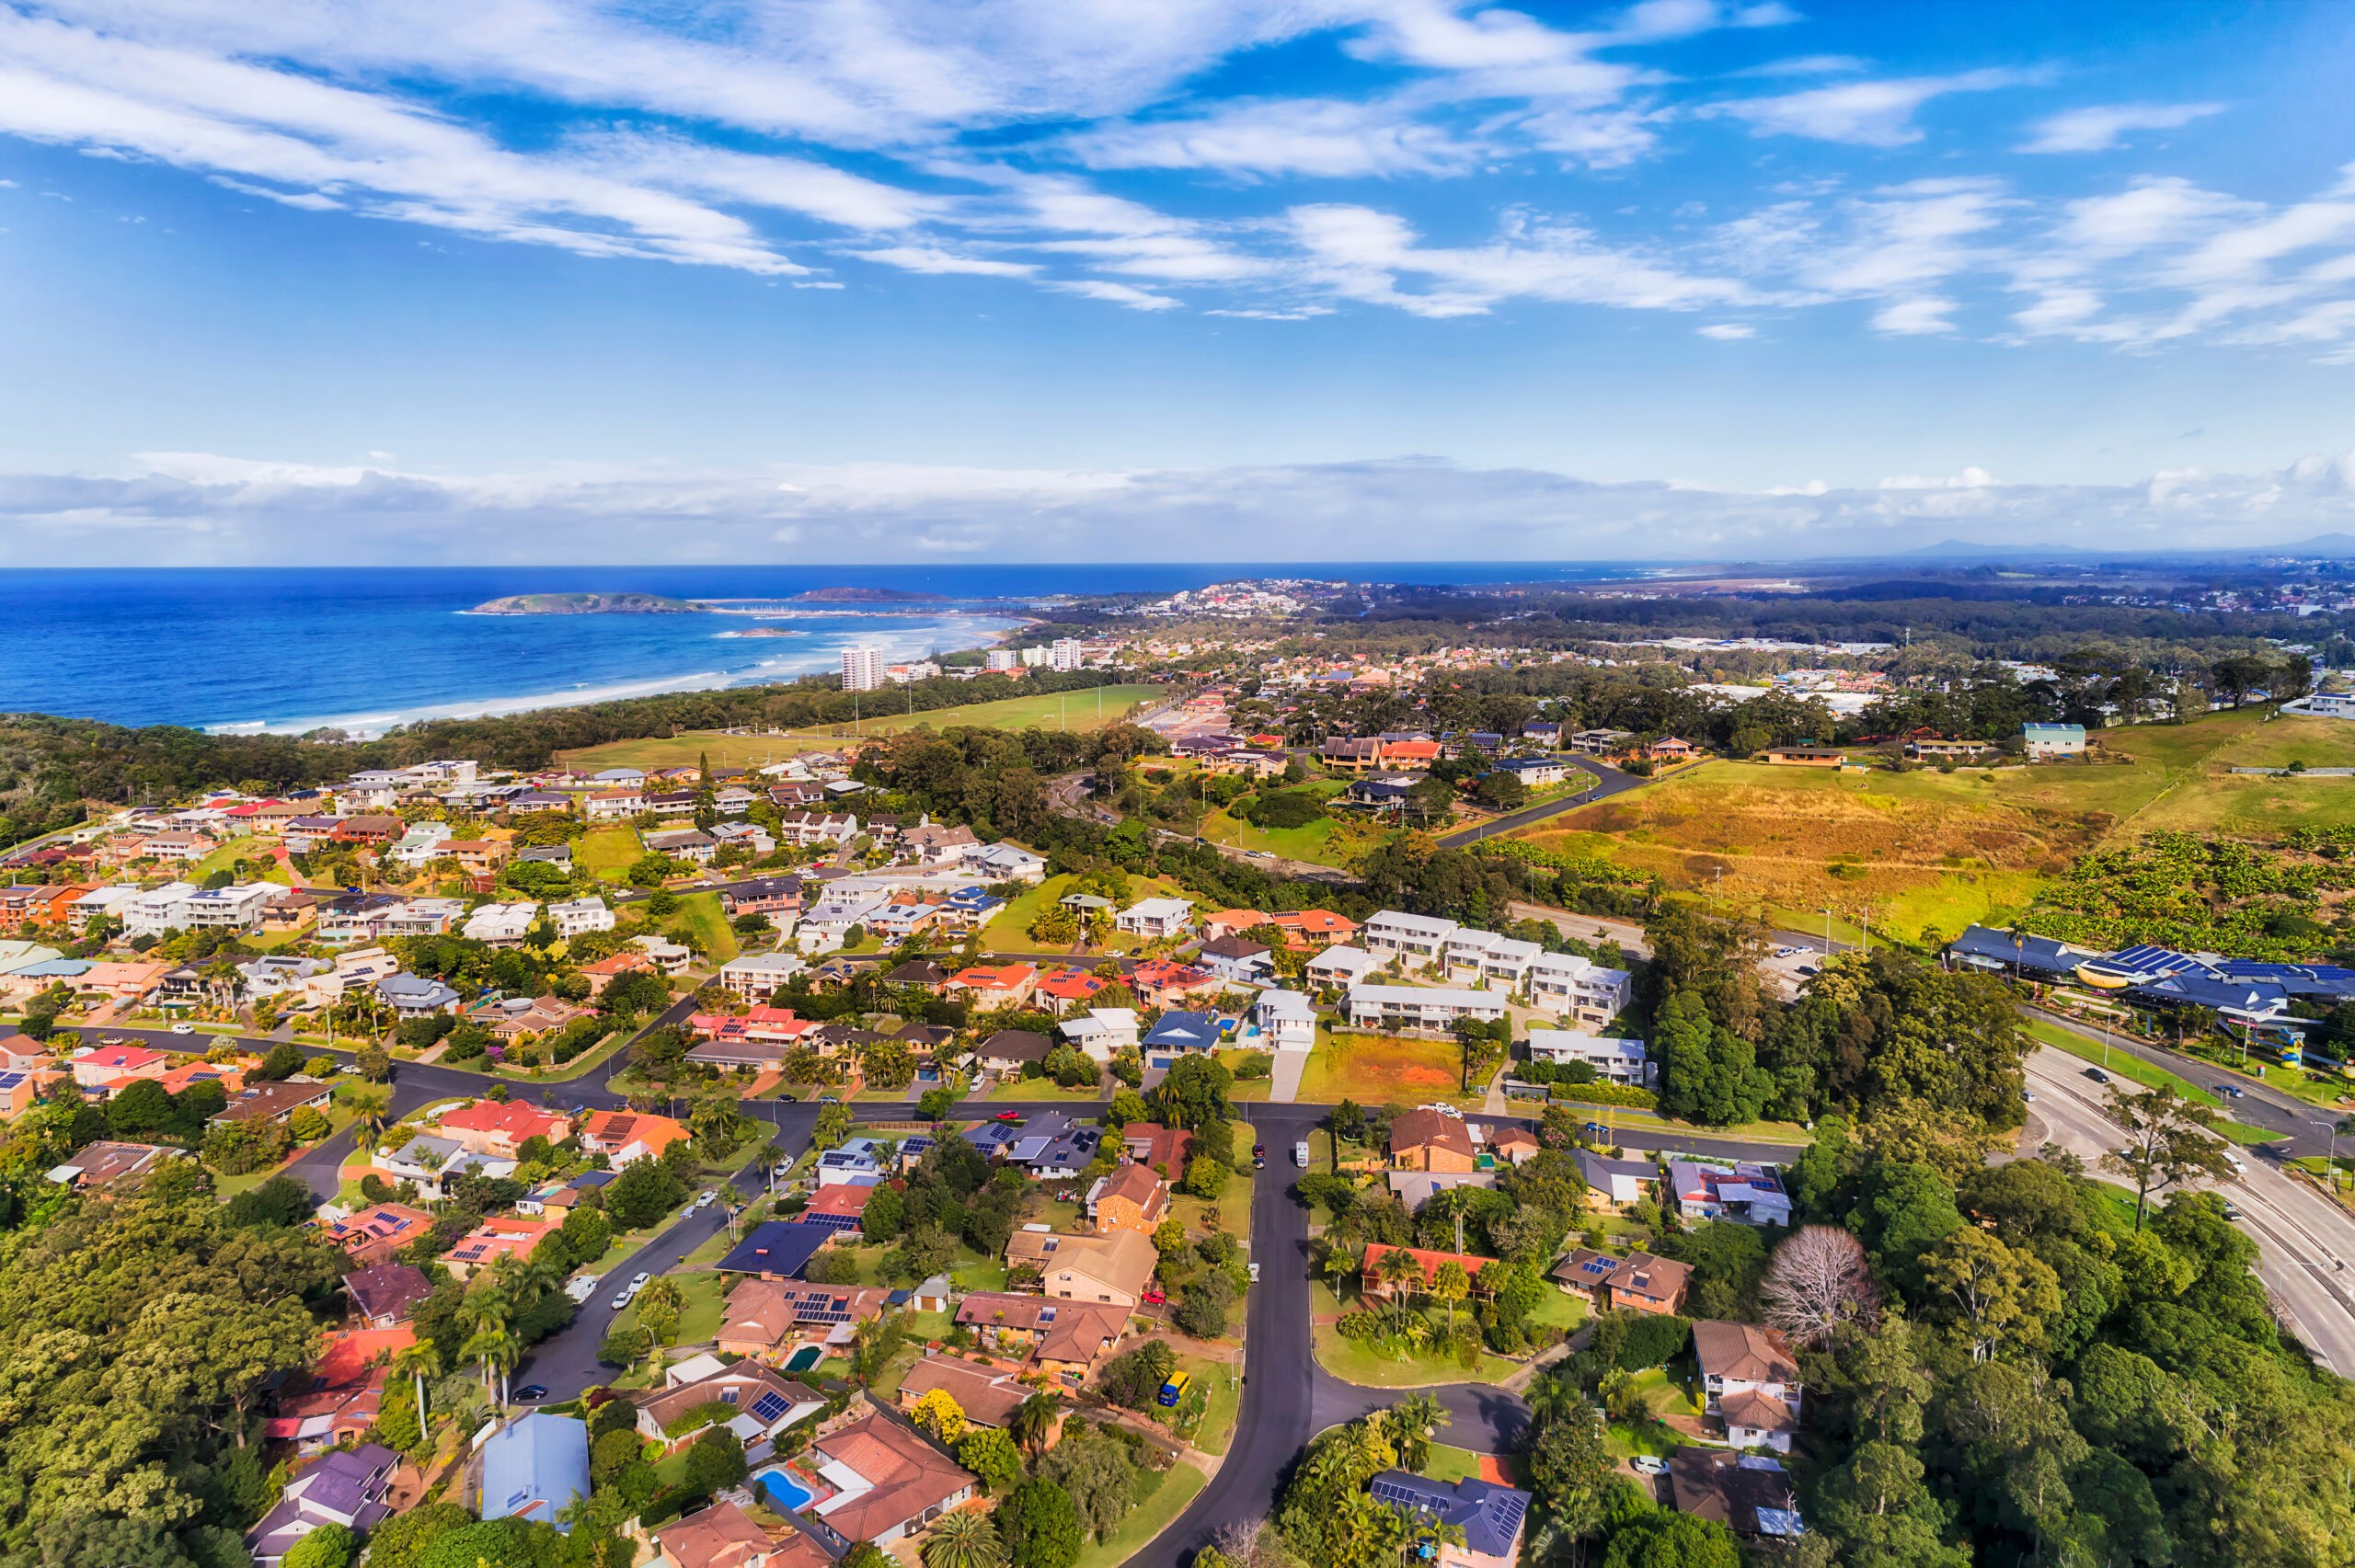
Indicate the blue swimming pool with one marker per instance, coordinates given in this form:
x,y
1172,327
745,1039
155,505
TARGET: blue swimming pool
x,y
787,1493
809,1355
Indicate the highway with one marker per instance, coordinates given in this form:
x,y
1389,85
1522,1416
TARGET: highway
x,y
2303,1240
2303,1124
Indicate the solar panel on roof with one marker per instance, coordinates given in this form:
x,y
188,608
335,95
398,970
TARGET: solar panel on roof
x,y
770,1407
1596,1265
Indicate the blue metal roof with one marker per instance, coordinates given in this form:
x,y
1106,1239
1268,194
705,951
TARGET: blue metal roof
x,y
1490,1516
777,1247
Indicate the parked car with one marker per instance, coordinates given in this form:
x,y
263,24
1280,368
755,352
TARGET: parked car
x,y
1255,1273
1648,1464
183,1028
1155,1296
2232,1209
1300,1155
1258,1156
707,1198
532,1392
1007,1117
580,1288
2030,1096
2098,1075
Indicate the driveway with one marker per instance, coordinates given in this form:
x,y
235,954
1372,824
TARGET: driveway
x,y
1609,781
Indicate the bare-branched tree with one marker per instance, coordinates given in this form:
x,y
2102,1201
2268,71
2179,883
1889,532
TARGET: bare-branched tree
x,y
1816,1281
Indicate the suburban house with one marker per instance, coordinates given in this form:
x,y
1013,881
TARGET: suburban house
x,y
575,916
1618,1184
770,896
1286,1019
988,1397
562,1196
1130,1199
1487,959
1806,757
343,1486
892,1481
757,976
343,1396
722,1536
1238,959
1613,1060
626,1136
504,1126
765,1401
1159,1149
1342,966
1102,1031
536,1469
274,1102
1181,1034
414,996
1743,1191
1152,918
1430,1140
603,972
429,1161
769,1319
1417,1010
1162,982
613,805
1750,1380
374,1234
1009,1050
1750,1494
1370,1278
384,1293
501,925
1490,1516
498,1236
2042,742
775,1249
1064,1339
1115,1268
1639,1282
986,986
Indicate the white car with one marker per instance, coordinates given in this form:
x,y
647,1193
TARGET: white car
x,y
1255,1273
1300,1155
706,1200
183,1028
640,1281
581,1288
1648,1464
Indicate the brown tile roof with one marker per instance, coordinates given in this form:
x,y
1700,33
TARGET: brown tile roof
x,y
1743,1352
1657,1280
1138,1184
1429,1130
1760,1411
1081,1330
721,1536
666,1405
907,1475
1149,1143
985,1396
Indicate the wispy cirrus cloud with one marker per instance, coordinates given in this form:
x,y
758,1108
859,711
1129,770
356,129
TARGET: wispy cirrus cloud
x,y
1876,113
2100,127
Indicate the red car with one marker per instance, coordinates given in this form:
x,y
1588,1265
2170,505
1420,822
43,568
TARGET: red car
x,y
1007,1117
1153,1295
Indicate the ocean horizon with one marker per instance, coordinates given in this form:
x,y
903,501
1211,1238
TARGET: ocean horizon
x,y
284,650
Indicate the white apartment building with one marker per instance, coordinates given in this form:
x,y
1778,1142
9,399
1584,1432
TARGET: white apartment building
x,y
1613,1060
1485,959
1418,1010
1001,658
183,906
576,915
1037,658
862,668
1416,940
501,925
1342,965
422,917
1069,654
1579,988
756,975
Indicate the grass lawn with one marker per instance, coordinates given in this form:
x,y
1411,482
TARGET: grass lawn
x,y
1374,1368
1021,1090
1461,1464
1234,1205
1326,841
1375,1070
698,1317
701,913
1225,1406
225,858
1928,852
1009,930
977,1273
606,853
1559,1309
1077,709
1155,1512
2124,1064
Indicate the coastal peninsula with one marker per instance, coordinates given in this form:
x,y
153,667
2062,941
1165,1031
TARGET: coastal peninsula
x,y
586,605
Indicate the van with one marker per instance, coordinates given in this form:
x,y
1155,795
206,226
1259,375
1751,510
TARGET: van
x,y
1175,1389
1300,1154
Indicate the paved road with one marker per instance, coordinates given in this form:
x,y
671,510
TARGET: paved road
x,y
2303,1239
1609,781
2301,1124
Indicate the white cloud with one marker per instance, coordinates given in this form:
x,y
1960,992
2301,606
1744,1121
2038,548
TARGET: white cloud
x,y
1323,138
1728,331
2098,129
1871,114
191,509
1114,293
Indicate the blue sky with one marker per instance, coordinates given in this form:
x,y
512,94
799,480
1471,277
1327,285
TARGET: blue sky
x,y
872,280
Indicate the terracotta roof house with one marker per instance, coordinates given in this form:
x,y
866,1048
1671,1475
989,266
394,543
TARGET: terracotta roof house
x,y
773,1318
1374,1284
382,1295
1430,1140
626,1136
1640,1281
374,1234
1517,1144
1750,1380
500,1128
345,1392
722,1536
1063,1338
1151,1145
765,1400
1113,1268
988,1397
603,972
838,1207
1130,1199
274,1102
993,985
906,1482
498,1236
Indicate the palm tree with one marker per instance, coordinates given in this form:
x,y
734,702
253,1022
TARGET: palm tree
x,y
1412,1422
1399,1269
418,1362
496,1351
1450,1284
963,1540
1034,1420
370,1104
485,1305
1338,1266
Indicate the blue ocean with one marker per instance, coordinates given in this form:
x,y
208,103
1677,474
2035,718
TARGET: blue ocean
x,y
246,650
